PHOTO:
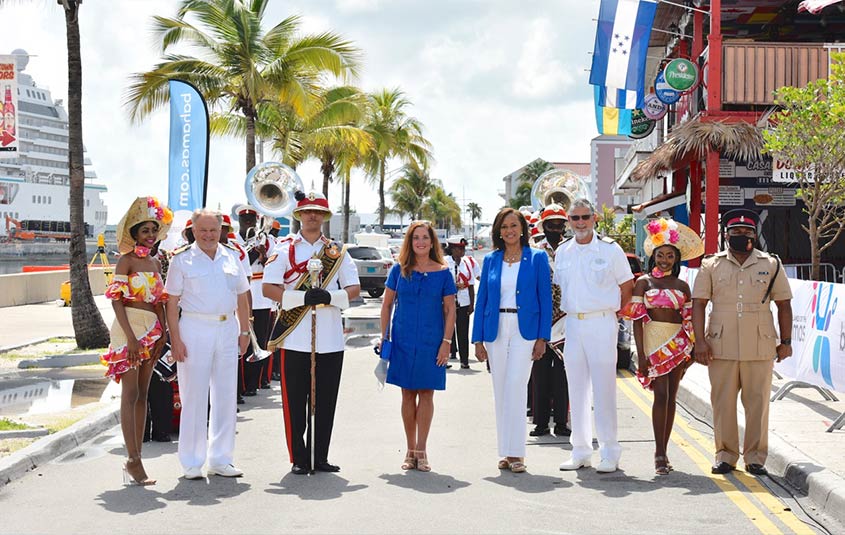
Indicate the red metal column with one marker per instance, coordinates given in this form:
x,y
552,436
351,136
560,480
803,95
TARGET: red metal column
x,y
695,202
714,104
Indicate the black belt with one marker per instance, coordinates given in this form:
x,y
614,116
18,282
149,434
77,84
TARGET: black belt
x,y
508,310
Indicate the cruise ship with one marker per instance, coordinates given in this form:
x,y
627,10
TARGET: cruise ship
x,y
35,186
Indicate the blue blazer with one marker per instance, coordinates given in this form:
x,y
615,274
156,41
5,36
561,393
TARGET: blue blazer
x,y
533,297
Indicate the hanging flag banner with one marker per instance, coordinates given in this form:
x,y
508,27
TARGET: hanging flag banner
x,y
188,169
621,46
9,144
681,74
620,98
612,121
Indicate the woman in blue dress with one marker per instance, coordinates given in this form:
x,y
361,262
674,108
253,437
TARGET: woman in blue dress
x,y
423,291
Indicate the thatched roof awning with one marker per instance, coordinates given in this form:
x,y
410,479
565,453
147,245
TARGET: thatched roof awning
x,y
738,141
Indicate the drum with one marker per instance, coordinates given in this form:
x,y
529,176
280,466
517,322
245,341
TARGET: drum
x,y
558,336
165,367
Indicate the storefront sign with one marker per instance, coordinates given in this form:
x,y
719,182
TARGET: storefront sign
x,y
784,173
641,126
681,74
731,196
9,144
654,108
663,91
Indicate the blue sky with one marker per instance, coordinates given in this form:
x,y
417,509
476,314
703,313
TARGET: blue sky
x,y
497,83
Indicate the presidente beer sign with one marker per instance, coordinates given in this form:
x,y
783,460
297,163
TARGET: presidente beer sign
x,y
681,74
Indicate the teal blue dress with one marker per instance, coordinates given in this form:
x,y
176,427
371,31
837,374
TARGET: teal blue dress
x,y
417,328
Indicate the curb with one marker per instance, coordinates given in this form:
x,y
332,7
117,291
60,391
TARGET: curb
x,y
60,361
46,449
24,433
824,488
6,349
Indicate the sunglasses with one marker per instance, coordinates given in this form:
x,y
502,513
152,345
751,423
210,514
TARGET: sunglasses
x,y
580,217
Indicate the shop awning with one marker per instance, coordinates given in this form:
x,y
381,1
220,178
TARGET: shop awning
x,y
694,138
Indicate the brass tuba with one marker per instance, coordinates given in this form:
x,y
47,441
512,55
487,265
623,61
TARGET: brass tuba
x,y
559,186
270,187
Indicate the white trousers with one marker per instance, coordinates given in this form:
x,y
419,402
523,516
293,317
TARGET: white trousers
x,y
590,359
510,366
211,363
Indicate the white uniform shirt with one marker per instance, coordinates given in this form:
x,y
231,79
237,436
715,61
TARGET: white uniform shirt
x,y
329,320
204,285
259,302
589,275
462,271
474,266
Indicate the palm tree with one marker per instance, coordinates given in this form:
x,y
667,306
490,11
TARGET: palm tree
x,y
396,135
409,192
442,209
530,173
474,213
333,129
88,327
242,66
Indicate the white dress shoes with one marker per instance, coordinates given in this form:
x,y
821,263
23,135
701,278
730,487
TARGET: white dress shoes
x,y
606,466
575,464
193,473
225,471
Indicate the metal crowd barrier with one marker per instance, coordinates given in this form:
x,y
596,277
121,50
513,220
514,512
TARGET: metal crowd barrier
x,y
827,272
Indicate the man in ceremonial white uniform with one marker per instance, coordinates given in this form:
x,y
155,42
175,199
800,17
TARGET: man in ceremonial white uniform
x,y
464,275
595,282
287,281
207,284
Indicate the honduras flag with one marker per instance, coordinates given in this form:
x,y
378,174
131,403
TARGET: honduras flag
x,y
620,98
619,56
612,121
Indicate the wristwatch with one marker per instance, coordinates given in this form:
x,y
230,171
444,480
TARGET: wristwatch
x,y
786,341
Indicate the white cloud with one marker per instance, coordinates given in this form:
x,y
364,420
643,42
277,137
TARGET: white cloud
x,y
538,73
355,6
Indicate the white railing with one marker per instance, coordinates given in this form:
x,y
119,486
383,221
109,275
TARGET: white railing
x,y
827,272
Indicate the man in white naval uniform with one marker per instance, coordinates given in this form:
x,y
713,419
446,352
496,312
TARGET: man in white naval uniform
x,y
207,283
284,273
595,281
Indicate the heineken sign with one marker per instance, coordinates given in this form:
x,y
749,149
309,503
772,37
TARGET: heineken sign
x,y
681,74
641,125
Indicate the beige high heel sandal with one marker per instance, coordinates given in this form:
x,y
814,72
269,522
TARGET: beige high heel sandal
x,y
410,461
134,473
422,462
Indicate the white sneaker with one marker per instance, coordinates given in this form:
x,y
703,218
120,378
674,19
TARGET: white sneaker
x,y
193,473
575,464
225,471
606,467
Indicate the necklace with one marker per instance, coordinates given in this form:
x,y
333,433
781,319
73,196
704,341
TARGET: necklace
x,y
511,259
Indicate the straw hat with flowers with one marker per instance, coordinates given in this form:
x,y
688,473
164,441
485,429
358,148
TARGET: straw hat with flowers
x,y
142,209
667,232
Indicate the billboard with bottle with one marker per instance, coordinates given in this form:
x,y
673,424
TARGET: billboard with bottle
x,y
8,108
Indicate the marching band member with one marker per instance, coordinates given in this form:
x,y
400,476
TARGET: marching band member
x,y
548,375
256,373
464,274
287,281
207,284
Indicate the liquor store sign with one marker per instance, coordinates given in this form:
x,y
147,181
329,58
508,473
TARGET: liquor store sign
x,y
785,173
9,145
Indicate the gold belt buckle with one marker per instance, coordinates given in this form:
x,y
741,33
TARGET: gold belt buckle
x,y
580,315
222,317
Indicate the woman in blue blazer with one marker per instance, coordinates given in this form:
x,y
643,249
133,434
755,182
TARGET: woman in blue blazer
x,y
513,321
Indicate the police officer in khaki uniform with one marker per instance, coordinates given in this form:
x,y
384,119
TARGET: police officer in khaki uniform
x,y
740,343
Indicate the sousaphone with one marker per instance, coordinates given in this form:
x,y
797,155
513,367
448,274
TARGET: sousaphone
x,y
559,186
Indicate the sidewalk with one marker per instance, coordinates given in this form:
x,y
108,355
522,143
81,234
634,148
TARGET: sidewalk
x,y
27,324
800,448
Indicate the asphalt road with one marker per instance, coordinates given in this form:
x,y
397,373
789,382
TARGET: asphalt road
x,y
82,491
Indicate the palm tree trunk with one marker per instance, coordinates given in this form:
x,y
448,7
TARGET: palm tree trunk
x,y
381,194
88,325
346,186
250,140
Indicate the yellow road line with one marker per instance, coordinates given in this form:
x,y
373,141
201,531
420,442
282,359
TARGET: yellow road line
x,y
761,493
755,515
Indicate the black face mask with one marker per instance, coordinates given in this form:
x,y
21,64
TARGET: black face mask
x,y
741,244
